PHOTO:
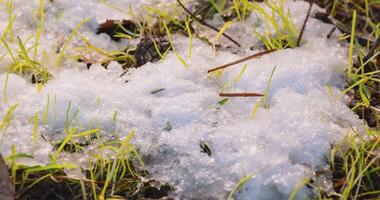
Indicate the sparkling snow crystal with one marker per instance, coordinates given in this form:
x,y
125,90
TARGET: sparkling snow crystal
x,y
279,147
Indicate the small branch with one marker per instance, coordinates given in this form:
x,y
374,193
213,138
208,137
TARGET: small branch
x,y
304,24
331,32
256,55
243,94
201,21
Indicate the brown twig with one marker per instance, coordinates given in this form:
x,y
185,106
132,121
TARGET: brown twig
x,y
256,55
241,94
304,24
201,21
331,32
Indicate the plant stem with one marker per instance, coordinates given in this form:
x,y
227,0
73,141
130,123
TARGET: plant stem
x,y
242,94
256,55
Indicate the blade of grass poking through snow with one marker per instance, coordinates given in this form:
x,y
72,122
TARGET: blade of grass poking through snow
x,y
329,90
67,120
366,166
172,46
64,142
352,40
13,163
54,110
139,159
6,45
238,77
256,107
114,116
219,6
333,9
298,187
86,133
93,47
69,39
83,187
23,53
6,121
223,101
280,29
267,89
361,81
92,178
50,167
5,88
38,180
111,55
190,34
238,186
35,126
156,91
11,19
46,114
361,68
110,173
112,6
265,97
41,27
236,5
67,117
8,117
220,33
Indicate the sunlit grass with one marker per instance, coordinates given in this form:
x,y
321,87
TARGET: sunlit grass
x,y
239,185
280,30
68,41
5,122
354,161
109,173
265,98
359,164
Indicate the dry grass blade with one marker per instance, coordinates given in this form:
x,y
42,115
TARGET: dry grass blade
x,y
201,21
242,94
371,52
256,55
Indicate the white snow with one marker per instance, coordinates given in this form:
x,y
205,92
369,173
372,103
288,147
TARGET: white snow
x,y
279,147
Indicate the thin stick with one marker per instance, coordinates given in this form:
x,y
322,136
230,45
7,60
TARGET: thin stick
x,y
304,24
331,32
256,55
201,21
242,94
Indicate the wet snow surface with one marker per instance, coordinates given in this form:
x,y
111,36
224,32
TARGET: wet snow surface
x,y
279,147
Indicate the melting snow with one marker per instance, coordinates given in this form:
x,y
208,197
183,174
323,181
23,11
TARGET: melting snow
x,y
279,146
